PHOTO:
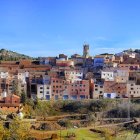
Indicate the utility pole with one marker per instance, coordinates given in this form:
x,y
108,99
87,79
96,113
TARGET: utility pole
x,y
129,102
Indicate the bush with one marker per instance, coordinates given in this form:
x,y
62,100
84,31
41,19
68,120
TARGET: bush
x,y
121,111
76,106
97,105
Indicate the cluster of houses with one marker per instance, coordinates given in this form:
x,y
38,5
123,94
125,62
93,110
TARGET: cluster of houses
x,y
76,78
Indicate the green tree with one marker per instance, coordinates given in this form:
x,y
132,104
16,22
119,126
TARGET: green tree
x,y
42,109
19,130
1,131
15,87
23,97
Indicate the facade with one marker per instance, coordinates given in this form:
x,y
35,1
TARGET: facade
x,y
110,95
56,88
74,74
78,61
130,66
98,91
107,75
120,89
64,63
121,75
62,89
44,91
98,62
79,90
10,103
133,90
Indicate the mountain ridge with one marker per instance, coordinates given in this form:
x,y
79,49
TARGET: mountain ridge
x,y
8,55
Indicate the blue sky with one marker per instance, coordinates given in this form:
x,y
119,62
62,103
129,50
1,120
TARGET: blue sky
x,y
50,27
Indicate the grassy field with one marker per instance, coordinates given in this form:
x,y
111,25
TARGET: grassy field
x,y
81,134
85,134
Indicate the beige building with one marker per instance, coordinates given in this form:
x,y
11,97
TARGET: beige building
x,y
121,75
98,91
133,90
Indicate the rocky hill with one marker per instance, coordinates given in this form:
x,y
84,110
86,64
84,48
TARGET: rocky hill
x,y
7,55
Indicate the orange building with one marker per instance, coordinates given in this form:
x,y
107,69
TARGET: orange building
x,y
10,103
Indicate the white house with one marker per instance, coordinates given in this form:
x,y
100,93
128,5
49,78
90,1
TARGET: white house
x,y
4,75
107,75
22,77
74,74
110,95
44,91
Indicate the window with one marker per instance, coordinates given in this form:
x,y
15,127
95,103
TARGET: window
x,y
47,97
82,97
108,95
65,97
56,97
41,91
22,85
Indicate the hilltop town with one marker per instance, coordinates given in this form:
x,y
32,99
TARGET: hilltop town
x,y
76,78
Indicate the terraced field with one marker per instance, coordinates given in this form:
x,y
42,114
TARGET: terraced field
x,y
85,134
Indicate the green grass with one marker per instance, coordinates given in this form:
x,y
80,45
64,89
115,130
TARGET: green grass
x,y
81,134
86,134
